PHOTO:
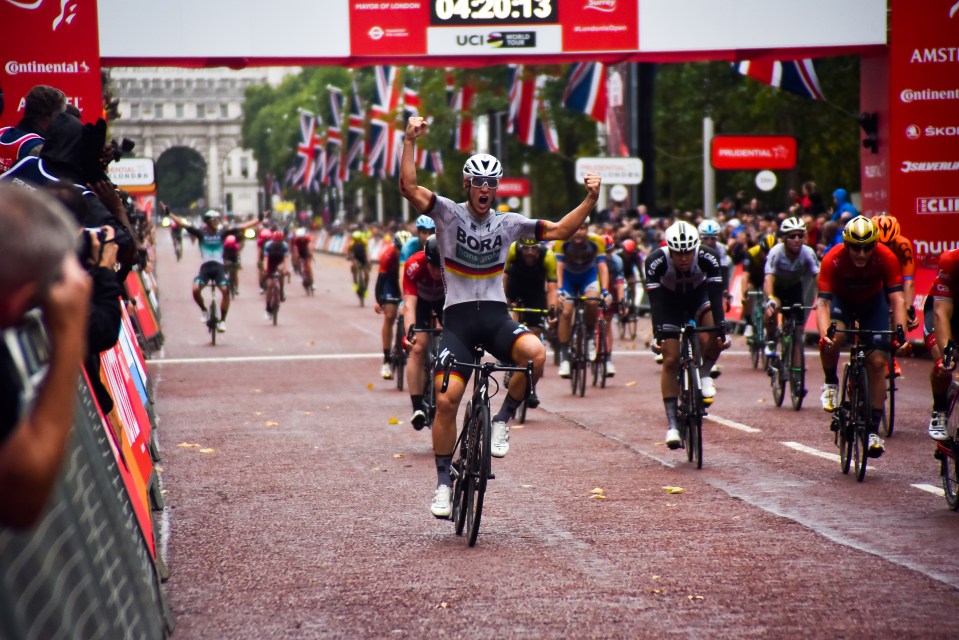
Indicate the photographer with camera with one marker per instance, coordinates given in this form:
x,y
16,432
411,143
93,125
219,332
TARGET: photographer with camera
x,y
38,267
41,105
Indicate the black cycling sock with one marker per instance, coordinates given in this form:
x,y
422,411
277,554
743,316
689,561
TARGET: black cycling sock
x,y
830,376
564,350
671,405
508,410
222,314
386,356
417,401
708,364
940,402
443,470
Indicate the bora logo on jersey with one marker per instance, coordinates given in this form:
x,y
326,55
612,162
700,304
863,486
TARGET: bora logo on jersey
x,y
477,251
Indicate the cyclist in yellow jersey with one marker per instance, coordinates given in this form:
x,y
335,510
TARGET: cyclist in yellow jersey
x,y
357,252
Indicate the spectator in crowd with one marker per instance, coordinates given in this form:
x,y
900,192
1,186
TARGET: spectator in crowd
x,y
38,266
41,105
843,211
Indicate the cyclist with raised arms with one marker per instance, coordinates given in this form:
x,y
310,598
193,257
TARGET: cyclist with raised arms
x,y
941,326
423,297
787,266
529,280
684,282
212,237
387,293
754,268
861,277
582,271
473,240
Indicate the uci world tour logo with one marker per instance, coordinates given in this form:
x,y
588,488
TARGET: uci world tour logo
x,y
68,10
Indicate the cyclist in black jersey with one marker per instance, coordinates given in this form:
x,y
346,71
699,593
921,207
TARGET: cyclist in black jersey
x,y
684,281
473,240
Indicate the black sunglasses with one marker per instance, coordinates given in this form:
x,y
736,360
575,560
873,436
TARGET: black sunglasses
x,y
795,236
860,248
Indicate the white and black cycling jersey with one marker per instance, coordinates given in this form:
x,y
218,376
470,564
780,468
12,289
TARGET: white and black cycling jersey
x,y
790,272
661,272
474,251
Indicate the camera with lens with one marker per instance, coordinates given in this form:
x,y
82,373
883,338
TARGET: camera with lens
x,y
86,244
124,147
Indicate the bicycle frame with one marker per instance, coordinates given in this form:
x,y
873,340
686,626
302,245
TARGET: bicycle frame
x,y
787,368
756,321
579,338
472,469
690,407
430,363
273,295
212,318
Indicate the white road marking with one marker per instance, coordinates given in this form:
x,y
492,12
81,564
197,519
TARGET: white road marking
x,y
939,491
813,452
733,425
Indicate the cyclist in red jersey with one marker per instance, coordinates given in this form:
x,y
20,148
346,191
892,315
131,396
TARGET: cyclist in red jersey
x,y
859,278
941,326
387,294
303,250
423,298
275,255
900,245
265,236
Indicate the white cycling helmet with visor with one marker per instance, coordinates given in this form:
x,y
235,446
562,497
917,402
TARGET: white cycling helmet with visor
x,y
709,229
483,168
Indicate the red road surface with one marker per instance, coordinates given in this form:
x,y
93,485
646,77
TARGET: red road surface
x,y
309,518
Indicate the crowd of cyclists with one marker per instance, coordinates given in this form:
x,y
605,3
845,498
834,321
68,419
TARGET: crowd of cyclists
x,y
490,277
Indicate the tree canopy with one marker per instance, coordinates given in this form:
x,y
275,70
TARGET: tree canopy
x,y
827,132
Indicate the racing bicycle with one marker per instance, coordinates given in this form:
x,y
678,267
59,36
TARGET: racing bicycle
x,y
212,314
690,408
851,420
398,354
547,332
600,364
430,364
273,297
471,470
628,317
579,339
947,451
789,366
756,341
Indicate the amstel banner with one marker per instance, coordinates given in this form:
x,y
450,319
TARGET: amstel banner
x,y
53,43
924,124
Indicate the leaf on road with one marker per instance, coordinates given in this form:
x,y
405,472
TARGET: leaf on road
x,y
657,577
378,469
443,605
526,486
398,456
271,423
159,469
514,427
370,386
188,445
598,496
164,491
258,391
311,343
394,420
207,450
308,413
258,413
598,490
761,401
695,598
631,383
673,489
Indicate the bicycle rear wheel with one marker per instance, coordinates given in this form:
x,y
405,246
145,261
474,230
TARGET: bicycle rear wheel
x,y
797,371
777,377
577,351
602,354
275,302
462,478
844,432
479,469
211,320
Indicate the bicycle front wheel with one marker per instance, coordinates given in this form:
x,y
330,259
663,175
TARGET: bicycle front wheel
x,y
462,479
602,354
862,411
479,469
211,320
777,378
797,371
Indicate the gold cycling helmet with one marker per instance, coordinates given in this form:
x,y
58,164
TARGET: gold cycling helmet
x,y
888,227
767,242
860,231
527,242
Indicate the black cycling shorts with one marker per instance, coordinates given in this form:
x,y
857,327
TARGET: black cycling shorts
x,y
531,299
788,296
425,309
484,323
212,271
668,320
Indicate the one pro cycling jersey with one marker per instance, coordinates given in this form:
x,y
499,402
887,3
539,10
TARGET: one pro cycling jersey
x,y
841,278
542,270
615,265
410,247
474,251
902,247
580,257
211,242
755,265
705,272
946,285
790,272
419,282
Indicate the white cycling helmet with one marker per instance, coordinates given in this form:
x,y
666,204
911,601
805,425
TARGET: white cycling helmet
x,y
682,237
709,229
482,165
211,214
792,224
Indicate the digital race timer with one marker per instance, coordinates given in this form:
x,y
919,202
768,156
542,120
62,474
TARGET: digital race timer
x,y
492,12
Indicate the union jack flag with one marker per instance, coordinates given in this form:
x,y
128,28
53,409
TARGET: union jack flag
x,y
354,138
529,113
795,76
380,144
334,139
310,154
586,90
